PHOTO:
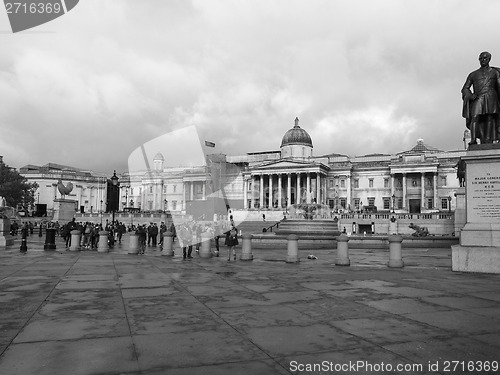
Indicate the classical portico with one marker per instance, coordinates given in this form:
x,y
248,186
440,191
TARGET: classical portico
x,y
278,185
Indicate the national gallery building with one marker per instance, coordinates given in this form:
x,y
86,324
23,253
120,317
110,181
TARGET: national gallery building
x,y
419,180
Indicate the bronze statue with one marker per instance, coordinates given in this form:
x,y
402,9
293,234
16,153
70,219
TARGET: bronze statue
x,y
460,172
481,108
419,231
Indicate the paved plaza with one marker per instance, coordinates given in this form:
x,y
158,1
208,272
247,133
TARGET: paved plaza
x,y
68,313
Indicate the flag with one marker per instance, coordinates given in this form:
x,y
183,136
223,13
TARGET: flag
x,y
209,144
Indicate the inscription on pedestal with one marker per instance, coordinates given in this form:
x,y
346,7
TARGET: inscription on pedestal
x,y
483,192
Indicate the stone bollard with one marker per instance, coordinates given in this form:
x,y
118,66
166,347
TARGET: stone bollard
x,y
246,247
205,251
342,258
102,246
293,249
76,236
168,246
395,260
133,244
50,239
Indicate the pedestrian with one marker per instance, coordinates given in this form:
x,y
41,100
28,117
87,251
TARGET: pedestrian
x,y
186,239
154,234
141,232
231,242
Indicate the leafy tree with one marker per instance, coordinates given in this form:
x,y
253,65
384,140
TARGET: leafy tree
x,y
15,188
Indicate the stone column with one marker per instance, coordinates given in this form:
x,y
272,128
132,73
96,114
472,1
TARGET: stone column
x,y
404,191
348,187
191,191
203,189
184,191
435,190
392,185
270,204
308,187
252,191
289,189
134,244
298,195
280,197
155,195
261,191
245,193
318,189
422,196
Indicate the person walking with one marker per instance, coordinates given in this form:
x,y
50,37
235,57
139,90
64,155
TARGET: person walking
x,y
186,240
231,242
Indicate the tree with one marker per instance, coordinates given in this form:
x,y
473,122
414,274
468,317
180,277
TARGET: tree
x,y
15,188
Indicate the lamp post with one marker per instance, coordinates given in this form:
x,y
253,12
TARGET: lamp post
x,y
166,205
131,213
393,202
449,203
114,195
101,212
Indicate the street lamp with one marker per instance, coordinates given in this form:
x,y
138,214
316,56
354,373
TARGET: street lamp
x,y
393,202
114,187
101,212
166,205
449,203
131,213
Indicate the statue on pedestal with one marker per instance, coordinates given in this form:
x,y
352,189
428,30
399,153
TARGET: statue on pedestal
x,y
481,108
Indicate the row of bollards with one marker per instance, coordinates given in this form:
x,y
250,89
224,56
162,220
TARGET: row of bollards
x,y
395,255
341,259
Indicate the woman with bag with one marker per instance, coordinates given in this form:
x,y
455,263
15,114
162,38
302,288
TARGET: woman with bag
x,y
231,242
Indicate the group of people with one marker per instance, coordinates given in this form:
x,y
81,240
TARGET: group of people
x,y
90,233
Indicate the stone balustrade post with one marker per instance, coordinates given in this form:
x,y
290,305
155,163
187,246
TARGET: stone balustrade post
x,y
293,249
76,237
395,260
342,258
102,246
246,247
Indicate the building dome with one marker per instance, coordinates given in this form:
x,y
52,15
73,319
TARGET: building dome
x,y
159,156
296,136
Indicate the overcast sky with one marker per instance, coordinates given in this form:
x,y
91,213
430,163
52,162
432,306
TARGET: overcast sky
x,y
372,76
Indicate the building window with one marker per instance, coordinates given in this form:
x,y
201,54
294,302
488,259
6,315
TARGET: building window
x,y
175,188
414,182
371,201
355,183
150,205
370,182
356,203
199,188
342,184
444,181
174,205
387,203
400,203
444,203
386,182
165,189
131,191
430,203
343,203
150,188
332,184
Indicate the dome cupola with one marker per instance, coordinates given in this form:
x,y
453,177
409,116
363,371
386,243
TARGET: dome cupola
x,y
296,143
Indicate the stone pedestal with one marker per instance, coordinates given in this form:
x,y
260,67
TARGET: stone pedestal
x,y
102,246
50,239
479,249
395,258
5,238
205,251
293,249
76,237
342,258
246,247
168,245
64,210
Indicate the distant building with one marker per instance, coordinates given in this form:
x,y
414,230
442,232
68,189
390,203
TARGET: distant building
x,y
419,180
89,189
